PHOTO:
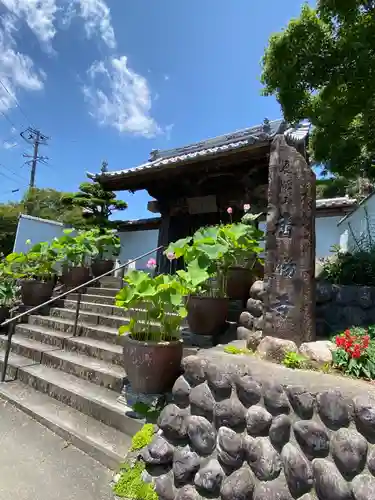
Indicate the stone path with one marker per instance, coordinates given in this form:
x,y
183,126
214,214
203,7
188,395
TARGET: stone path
x,y
36,464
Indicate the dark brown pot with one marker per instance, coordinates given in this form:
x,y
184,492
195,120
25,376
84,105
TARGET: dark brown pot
x,y
34,292
99,267
75,276
206,315
4,314
239,281
152,367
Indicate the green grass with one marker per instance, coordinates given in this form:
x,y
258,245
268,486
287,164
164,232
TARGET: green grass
x,y
131,485
143,437
232,349
294,360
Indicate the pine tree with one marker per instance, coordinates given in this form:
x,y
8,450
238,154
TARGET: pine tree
x,y
97,204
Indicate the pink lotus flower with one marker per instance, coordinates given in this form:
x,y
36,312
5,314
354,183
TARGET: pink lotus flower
x,y
171,256
230,210
151,264
246,207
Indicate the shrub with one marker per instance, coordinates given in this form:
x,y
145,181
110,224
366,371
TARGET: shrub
x,y
355,353
357,268
294,360
143,437
131,485
232,349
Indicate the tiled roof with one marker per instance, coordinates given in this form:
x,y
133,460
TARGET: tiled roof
x,y
237,140
343,201
38,219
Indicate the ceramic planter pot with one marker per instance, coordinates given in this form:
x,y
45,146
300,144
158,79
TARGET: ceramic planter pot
x,y
75,276
206,315
239,281
101,266
4,314
152,367
35,293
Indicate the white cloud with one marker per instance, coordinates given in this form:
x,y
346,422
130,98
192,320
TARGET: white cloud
x,y
97,16
120,97
9,145
17,70
166,77
41,17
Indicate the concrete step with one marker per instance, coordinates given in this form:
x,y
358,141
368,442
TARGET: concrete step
x,y
104,444
103,309
93,370
111,282
96,319
99,349
27,347
98,332
106,292
88,398
55,338
93,297
106,309
15,362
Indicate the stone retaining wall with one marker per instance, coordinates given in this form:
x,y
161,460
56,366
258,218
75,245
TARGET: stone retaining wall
x,y
337,307
243,429
341,306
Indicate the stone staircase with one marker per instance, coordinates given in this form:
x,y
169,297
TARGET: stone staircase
x,y
70,383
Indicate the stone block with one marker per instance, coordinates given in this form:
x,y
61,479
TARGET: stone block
x,y
324,292
255,307
257,290
320,351
274,349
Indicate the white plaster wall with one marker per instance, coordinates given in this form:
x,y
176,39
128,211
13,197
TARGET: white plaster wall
x,y
36,230
327,234
358,230
136,243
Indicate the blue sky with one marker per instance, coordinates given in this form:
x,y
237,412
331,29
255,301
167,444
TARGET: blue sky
x,y
115,79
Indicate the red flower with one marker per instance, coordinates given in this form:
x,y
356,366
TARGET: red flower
x,y
365,341
356,353
340,341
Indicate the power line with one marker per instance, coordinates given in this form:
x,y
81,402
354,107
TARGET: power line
x,y
12,172
9,178
15,100
8,119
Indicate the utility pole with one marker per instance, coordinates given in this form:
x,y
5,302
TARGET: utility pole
x,y
35,138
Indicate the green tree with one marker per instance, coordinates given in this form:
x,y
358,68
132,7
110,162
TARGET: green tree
x,y
48,204
322,68
340,186
97,204
9,213
43,203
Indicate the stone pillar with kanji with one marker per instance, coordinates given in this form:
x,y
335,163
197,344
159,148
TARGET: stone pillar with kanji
x,y
289,298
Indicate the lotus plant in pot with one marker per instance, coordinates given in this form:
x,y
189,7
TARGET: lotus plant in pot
x,y
106,244
207,304
36,272
151,344
241,262
75,253
9,292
